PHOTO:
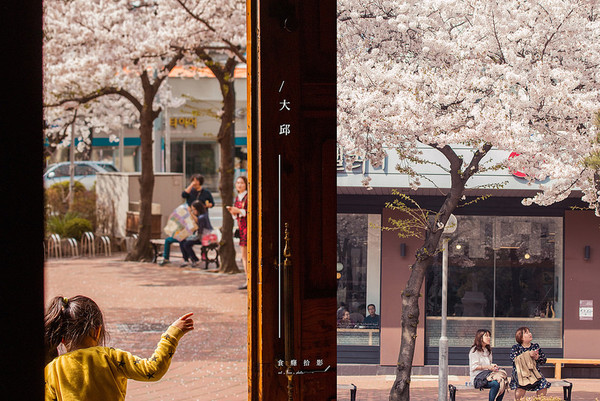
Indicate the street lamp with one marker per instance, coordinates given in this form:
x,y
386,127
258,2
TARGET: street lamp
x,y
449,228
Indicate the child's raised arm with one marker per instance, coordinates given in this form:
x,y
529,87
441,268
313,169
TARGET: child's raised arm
x,y
185,323
153,368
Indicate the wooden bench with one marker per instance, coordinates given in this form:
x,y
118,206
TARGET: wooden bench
x,y
208,253
350,387
567,388
558,362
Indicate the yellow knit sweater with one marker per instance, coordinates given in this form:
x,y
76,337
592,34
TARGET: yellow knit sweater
x,y
101,373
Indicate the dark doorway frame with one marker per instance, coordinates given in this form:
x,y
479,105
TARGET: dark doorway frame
x,y
310,72
22,282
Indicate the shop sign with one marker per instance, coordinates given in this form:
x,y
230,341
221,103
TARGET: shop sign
x,y
182,121
586,309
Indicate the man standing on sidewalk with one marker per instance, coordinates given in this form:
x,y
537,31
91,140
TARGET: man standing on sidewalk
x,y
194,191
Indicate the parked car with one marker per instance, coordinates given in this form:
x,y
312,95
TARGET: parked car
x,y
85,172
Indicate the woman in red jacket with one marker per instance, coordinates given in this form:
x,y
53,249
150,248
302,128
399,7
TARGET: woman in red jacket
x,y
239,211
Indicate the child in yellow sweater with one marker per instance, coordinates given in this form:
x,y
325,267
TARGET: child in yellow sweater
x,y
89,371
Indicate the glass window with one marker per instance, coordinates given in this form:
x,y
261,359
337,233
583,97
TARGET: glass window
x,y
177,157
358,267
62,171
84,169
241,158
200,158
503,273
109,167
128,163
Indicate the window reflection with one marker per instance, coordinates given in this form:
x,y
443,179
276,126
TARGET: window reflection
x,y
192,158
500,268
358,318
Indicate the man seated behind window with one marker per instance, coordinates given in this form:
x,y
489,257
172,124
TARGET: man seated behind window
x,y
371,321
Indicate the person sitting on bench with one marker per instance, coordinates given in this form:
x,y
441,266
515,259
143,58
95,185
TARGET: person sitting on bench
x,y
484,373
527,357
200,214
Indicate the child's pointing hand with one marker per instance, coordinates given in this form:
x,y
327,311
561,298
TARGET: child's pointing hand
x,y
185,323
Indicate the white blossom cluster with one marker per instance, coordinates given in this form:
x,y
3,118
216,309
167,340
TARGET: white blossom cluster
x,y
520,75
90,45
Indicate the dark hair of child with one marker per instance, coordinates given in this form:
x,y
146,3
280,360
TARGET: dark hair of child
x,y
71,321
200,208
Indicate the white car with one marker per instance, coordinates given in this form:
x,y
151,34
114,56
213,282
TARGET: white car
x,y
85,172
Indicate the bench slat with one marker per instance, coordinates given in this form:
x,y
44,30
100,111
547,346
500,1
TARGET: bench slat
x,y
574,360
350,387
567,387
558,362
158,244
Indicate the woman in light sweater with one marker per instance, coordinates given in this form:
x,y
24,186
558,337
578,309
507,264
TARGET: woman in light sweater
x,y
480,359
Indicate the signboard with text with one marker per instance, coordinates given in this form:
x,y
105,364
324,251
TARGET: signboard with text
x,y
586,310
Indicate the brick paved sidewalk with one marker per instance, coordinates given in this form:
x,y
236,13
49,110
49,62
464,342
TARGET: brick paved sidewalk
x,y
140,300
377,388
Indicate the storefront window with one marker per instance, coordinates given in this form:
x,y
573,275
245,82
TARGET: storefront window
x,y
109,154
358,268
127,163
200,158
503,273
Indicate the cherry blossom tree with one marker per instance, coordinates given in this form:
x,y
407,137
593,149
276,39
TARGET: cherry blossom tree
x,y
223,47
109,60
513,75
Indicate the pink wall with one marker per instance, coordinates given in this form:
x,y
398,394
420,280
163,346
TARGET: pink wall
x,y
582,282
394,275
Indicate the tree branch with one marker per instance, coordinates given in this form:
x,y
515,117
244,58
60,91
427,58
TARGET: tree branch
x,y
502,59
99,93
230,46
473,166
168,67
455,161
552,36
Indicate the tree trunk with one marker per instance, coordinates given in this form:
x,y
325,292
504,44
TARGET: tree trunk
x,y
227,145
224,74
410,296
143,250
410,318
597,186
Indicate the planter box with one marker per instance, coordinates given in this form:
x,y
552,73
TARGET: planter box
x,y
133,224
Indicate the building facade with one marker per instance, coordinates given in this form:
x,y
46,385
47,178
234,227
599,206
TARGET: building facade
x,y
510,265
185,137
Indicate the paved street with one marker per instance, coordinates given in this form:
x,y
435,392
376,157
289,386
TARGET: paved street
x,y
140,300
377,388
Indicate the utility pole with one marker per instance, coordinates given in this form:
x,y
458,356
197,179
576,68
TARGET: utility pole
x,y
72,163
443,353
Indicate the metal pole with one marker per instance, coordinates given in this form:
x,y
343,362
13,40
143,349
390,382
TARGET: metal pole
x,y
167,141
121,148
493,340
72,164
184,156
443,351
155,149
